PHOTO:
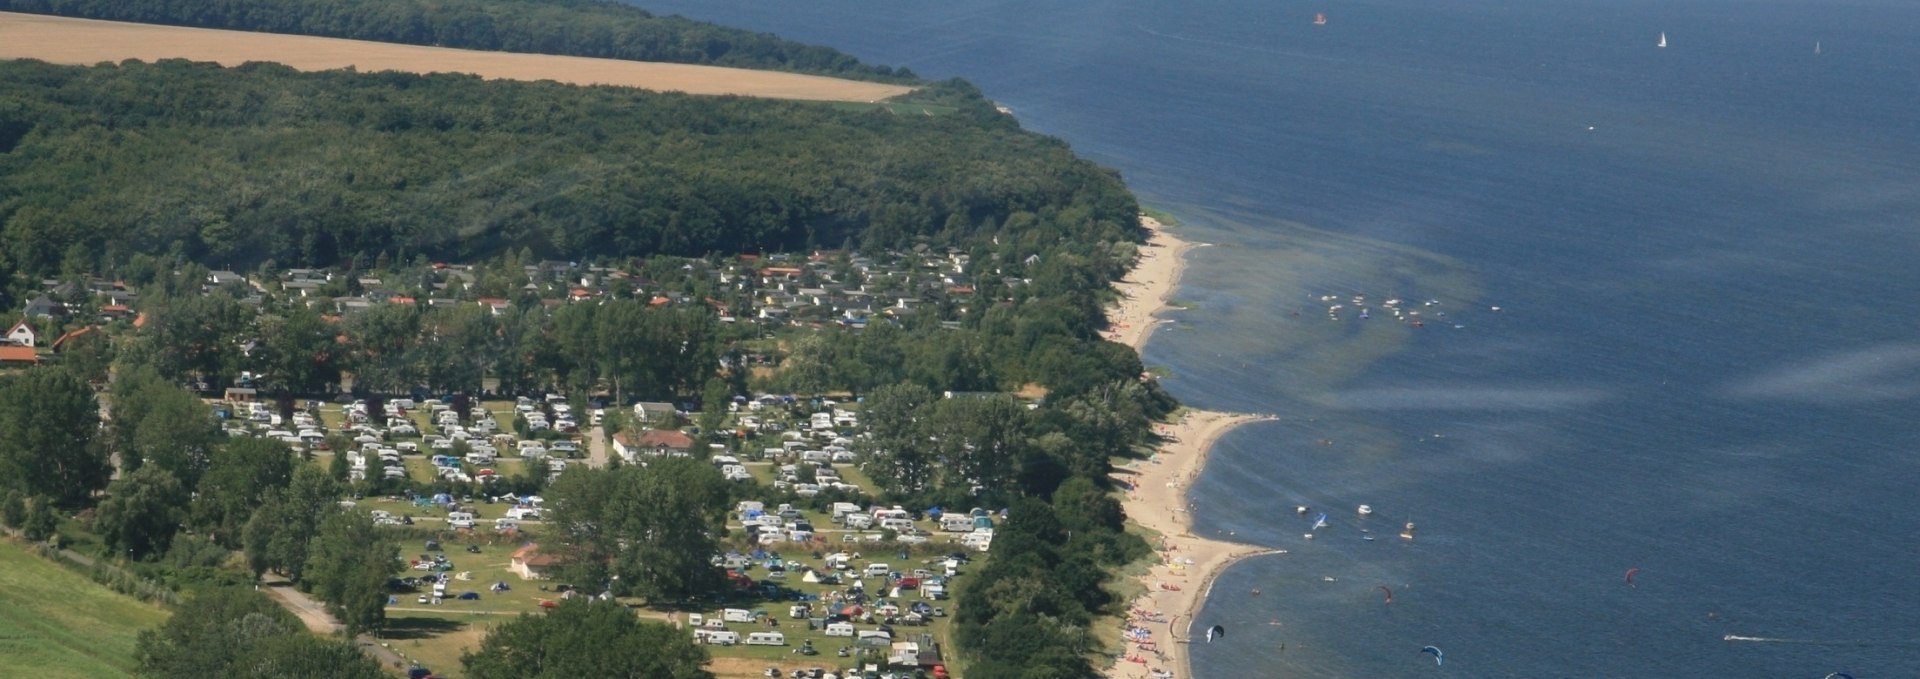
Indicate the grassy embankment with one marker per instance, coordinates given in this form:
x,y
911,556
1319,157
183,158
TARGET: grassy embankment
x,y
57,624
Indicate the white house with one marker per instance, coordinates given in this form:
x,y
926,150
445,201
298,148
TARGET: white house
x,y
652,443
21,334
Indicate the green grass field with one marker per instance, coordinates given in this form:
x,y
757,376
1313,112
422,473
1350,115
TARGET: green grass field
x,y
56,624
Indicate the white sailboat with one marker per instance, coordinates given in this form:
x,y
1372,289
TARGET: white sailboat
x,y
1663,39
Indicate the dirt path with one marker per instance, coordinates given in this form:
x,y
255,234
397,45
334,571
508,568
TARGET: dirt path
x,y
598,452
64,40
314,614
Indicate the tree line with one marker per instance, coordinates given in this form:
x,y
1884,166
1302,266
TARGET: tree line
x,y
234,167
584,28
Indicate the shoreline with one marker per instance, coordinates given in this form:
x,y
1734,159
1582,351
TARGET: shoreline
x,y
1176,586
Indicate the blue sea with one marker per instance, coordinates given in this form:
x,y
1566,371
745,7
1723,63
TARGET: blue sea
x,y
1705,358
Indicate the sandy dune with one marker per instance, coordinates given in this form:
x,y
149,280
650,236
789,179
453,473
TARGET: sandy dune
x,y
83,41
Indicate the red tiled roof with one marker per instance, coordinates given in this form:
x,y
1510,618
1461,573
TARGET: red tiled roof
x,y
18,354
71,335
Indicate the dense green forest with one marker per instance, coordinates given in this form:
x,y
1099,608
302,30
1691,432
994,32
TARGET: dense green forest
x,y
586,28
234,167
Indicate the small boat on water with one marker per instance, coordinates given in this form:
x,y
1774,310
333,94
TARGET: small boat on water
x,y
1321,522
1366,510
1663,39
1300,509
1320,19
1408,533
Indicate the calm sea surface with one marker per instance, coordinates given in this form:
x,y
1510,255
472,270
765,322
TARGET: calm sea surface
x,y
1705,361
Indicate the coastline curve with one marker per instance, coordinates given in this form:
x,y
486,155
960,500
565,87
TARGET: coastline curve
x,y
1156,488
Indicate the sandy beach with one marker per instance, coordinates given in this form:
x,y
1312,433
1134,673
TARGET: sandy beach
x,y
62,40
1161,620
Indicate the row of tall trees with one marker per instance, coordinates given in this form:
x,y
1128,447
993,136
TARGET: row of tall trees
x,y
1029,611
588,28
635,349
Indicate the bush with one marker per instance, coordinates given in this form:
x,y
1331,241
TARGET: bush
x,y
13,510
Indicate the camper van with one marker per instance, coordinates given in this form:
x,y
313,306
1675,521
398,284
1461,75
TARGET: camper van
x,y
766,639
877,570
736,615
460,519
979,540
956,523
858,521
716,637
840,629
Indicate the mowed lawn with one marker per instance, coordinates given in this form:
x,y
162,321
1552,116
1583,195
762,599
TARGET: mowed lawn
x,y
61,624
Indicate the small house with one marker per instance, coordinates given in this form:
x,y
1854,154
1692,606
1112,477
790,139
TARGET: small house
x,y
45,307
21,334
528,563
654,414
651,442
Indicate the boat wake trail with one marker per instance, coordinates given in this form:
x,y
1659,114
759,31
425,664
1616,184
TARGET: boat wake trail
x,y
1821,642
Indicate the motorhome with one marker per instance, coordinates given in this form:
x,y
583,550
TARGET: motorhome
x,y
766,639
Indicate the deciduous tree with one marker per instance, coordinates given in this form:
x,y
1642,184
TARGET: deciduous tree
x,y
584,638
48,427
242,473
141,513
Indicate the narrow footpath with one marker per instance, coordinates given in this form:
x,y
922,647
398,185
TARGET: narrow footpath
x,y
314,614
